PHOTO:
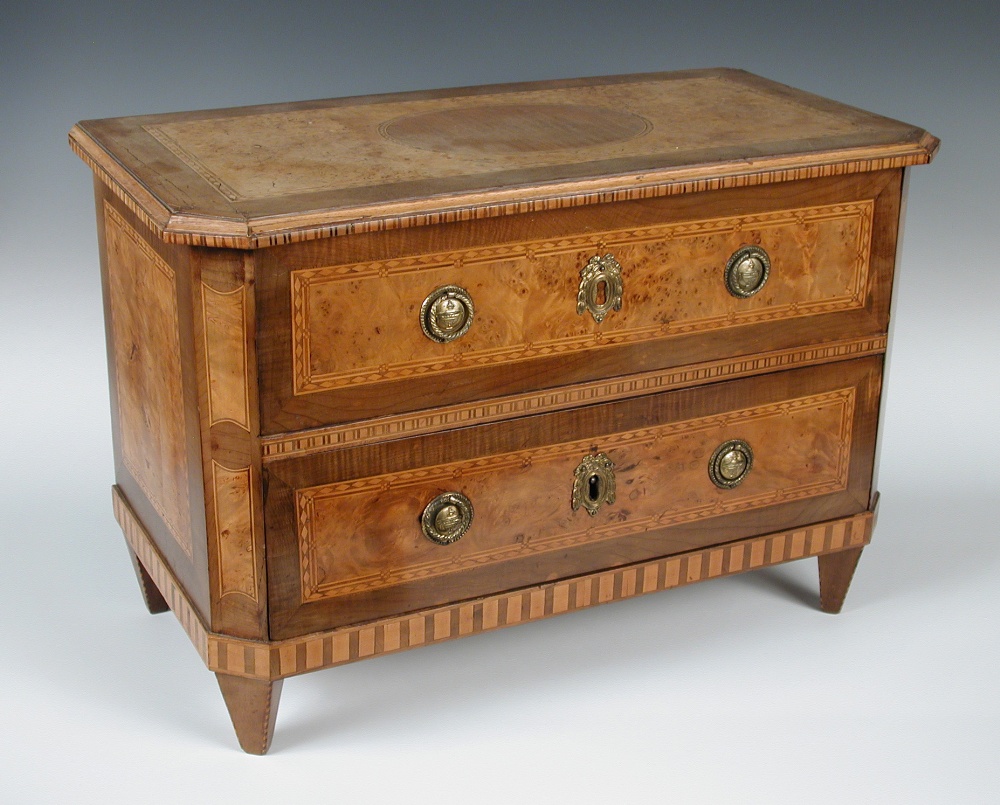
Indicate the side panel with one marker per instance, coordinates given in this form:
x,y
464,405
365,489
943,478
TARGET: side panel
x,y
182,362
154,405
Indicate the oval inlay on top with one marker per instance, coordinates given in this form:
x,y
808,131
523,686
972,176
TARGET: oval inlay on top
x,y
514,128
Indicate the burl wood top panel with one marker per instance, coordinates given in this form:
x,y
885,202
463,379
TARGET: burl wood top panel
x,y
262,175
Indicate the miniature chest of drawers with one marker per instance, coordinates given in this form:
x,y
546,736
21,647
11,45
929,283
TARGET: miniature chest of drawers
x,y
391,370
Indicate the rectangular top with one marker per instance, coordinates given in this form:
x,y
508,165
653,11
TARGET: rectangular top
x,y
260,175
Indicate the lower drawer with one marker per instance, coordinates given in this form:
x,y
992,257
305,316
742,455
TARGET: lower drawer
x,y
384,529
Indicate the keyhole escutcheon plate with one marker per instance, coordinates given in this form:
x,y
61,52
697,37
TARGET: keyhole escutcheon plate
x,y
594,483
600,287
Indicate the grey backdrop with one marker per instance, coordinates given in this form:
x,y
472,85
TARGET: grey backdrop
x,y
739,690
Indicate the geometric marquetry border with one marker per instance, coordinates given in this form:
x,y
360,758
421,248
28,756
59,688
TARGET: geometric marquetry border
x,y
276,660
150,558
482,411
181,228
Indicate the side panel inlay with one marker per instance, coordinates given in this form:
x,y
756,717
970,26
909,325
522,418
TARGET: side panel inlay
x,y
149,385
226,355
225,327
234,520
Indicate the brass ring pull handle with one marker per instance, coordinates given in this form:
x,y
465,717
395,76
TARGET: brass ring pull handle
x,y
446,518
747,271
600,287
447,313
730,463
594,483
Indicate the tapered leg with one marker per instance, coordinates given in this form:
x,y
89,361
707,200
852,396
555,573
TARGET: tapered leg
x,y
253,707
155,602
835,573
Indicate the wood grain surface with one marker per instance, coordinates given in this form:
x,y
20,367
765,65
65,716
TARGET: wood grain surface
x,y
225,332
339,318
259,176
835,574
277,659
360,324
226,358
370,147
483,411
153,387
145,331
362,535
280,420
343,535
253,708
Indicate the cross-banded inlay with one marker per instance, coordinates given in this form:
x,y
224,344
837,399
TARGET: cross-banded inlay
x,y
348,644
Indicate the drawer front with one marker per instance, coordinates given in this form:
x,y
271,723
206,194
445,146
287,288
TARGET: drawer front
x,y
361,324
370,329
347,543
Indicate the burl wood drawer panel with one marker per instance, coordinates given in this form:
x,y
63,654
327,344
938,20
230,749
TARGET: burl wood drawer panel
x,y
341,326
346,543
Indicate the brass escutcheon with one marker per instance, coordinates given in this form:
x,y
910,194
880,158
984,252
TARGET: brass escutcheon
x,y
747,271
447,313
600,272
446,518
730,463
594,483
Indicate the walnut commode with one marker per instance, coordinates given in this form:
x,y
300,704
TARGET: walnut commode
x,y
391,370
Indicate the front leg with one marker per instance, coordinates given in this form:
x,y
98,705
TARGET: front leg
x,y
253,707
835,573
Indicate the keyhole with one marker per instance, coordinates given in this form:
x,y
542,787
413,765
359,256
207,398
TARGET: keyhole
x,y
601,293
594,487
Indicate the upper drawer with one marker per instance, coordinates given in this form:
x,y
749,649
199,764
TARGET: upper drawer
x,y
350,328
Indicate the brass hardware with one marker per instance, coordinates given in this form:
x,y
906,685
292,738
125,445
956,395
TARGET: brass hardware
x,y
600,272
446,518
594,483
446,313
747,271
730,463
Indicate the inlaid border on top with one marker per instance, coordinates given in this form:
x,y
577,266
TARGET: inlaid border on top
x,y
239,232
319,161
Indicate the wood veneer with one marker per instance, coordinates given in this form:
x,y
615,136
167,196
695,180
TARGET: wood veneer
x,y
280,420
279,659
527,334
718,146
346,543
